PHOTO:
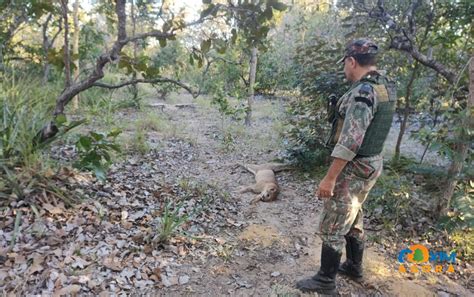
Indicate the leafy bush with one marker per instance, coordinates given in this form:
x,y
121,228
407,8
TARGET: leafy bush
x,y
24,111
462,215
402,201
224,106
94,152
306,133
390,201
26,172
276,71
318,76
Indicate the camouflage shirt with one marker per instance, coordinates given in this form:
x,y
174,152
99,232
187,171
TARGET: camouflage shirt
x,y
357,108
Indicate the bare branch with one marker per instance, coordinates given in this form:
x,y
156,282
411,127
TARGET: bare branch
x,y
410,16
44,27
67,55
103,59
147,81
60,28
447,73
404,40
154,33
201,20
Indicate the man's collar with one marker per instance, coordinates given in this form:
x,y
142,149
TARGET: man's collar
x,y
372,74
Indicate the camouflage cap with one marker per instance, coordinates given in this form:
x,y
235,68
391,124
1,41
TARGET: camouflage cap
x,y
360,46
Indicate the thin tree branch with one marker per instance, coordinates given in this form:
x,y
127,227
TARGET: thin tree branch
x,y
404,40
45,25
67,55
154,33
60,28
147,81
98,73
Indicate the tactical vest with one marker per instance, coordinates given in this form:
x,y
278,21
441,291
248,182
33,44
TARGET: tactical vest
x,y
379,127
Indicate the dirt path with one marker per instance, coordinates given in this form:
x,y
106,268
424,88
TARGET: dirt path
x,y
272,244
107,244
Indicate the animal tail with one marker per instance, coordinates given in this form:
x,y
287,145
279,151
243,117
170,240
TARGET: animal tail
x,y
275,167
251,168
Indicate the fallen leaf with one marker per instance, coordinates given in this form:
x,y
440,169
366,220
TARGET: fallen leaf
x,y
79,262
52,209
169,281
137,215
48,173
124,215
113,264
69,290
36,266
157,273
220,240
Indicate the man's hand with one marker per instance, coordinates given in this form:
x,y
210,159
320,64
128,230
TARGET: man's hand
x,y
326,187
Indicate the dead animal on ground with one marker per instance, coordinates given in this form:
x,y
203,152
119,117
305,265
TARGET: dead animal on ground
x,y
266,185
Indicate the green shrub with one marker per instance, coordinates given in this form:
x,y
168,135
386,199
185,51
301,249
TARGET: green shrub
x,y
139,142
169,221
24,111
318,77
306,133
462,215
94,152
390,200
26,171
222,100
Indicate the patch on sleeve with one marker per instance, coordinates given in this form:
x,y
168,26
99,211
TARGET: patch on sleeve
x,y
365,89
382,94
365,100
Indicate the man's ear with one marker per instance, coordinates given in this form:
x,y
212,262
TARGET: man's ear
x,y
352,62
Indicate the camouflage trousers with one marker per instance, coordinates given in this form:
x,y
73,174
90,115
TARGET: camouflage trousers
x,y
342,214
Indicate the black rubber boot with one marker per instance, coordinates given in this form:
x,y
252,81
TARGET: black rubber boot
x,y
324,282
354,254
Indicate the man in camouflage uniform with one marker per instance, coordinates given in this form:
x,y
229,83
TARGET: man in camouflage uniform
x,y
360,119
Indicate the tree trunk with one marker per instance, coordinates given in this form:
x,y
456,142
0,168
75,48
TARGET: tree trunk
x,y
253,72
461,149
406,112
46,47
8,35
67,56
135,50
46,70
75,49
